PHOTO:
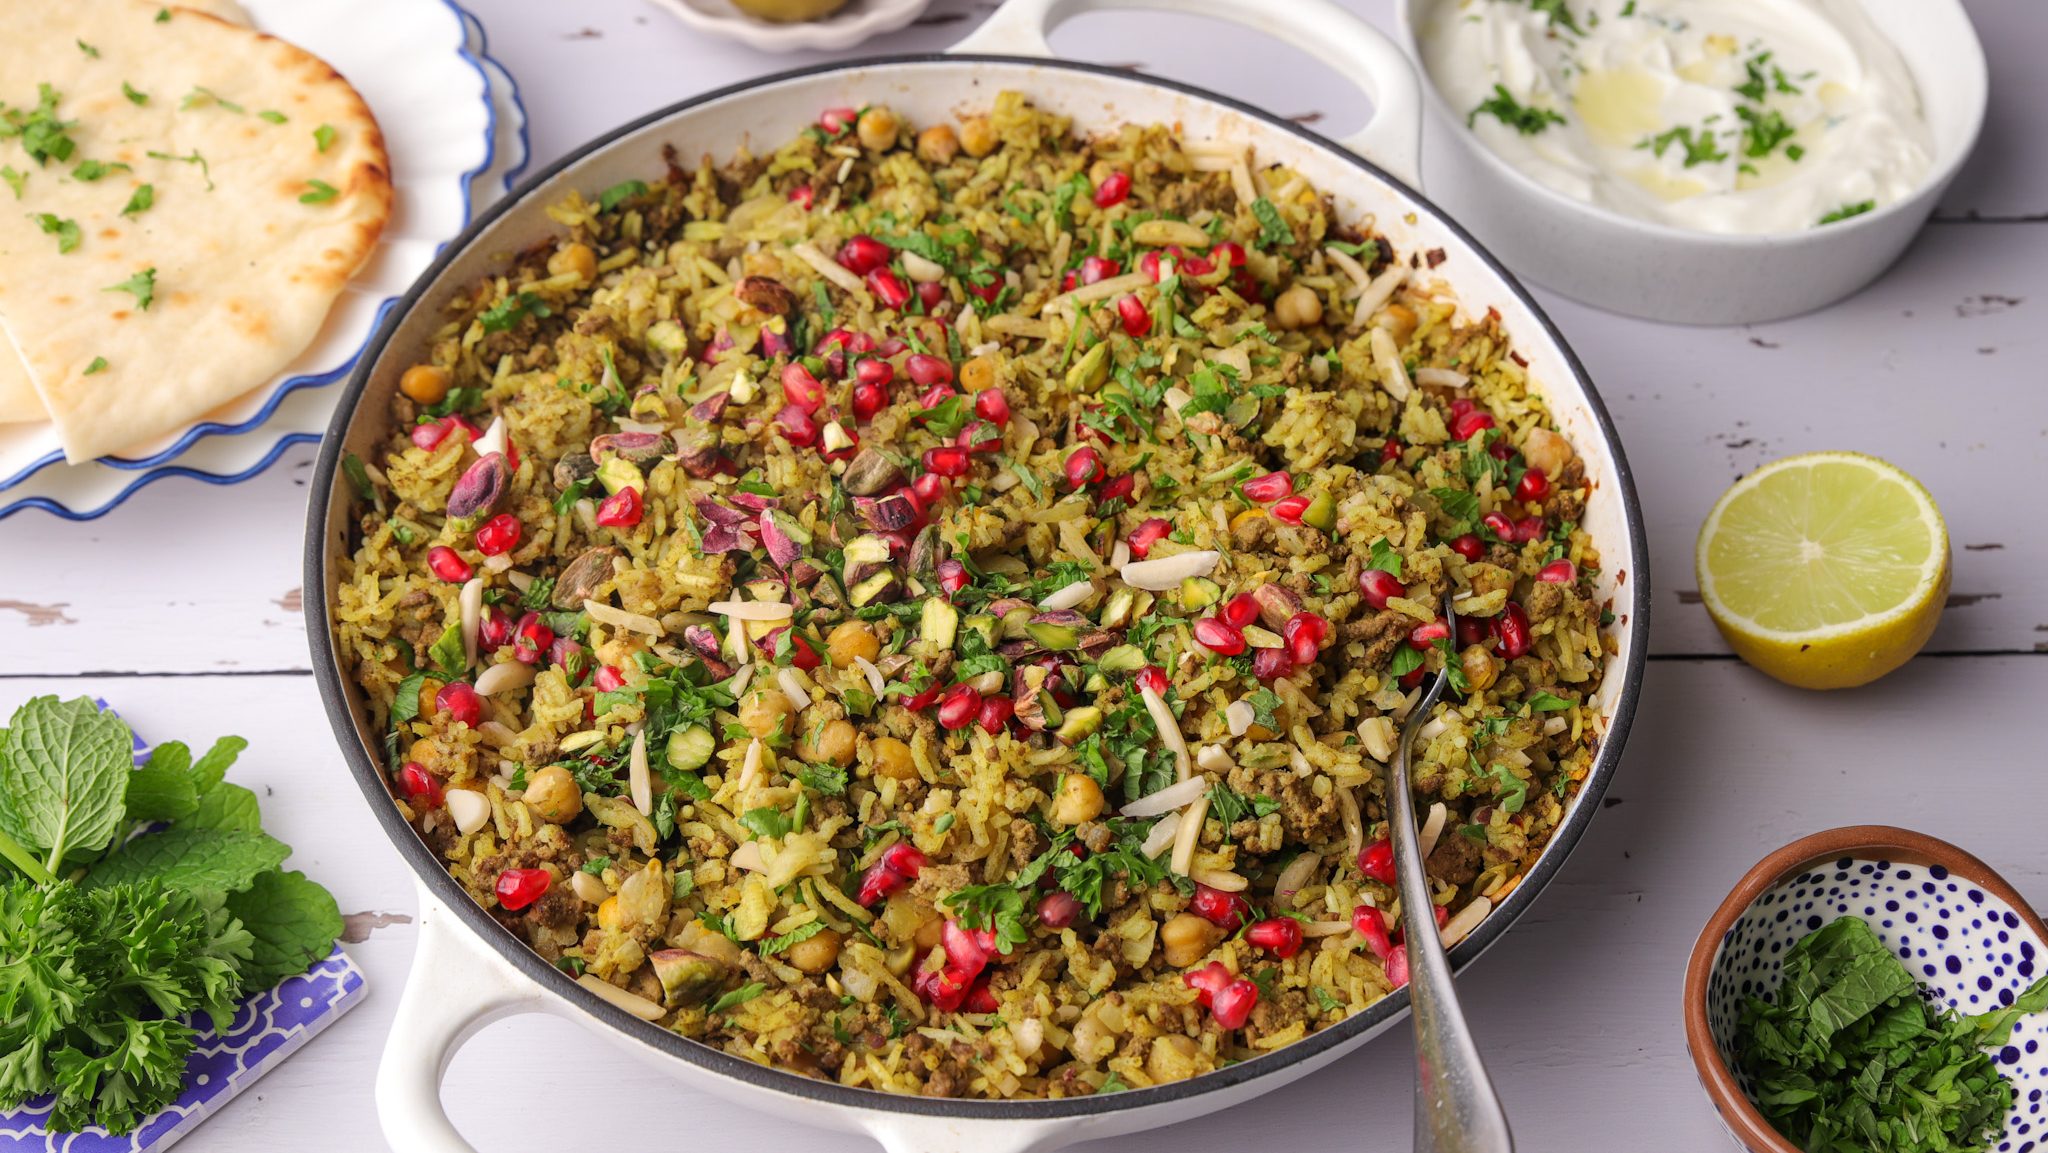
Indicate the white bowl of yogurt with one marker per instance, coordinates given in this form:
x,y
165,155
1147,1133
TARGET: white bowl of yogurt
x,y
1696,161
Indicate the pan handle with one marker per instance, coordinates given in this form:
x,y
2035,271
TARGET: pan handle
x,y
1391,139
455,988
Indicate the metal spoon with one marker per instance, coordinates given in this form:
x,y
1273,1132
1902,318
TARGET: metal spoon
x,y
1456,1109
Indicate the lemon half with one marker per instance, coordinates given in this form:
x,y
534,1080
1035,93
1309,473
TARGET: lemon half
x,y
1826,570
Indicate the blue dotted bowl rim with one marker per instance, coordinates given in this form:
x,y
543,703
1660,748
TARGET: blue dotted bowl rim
x,y
1902,846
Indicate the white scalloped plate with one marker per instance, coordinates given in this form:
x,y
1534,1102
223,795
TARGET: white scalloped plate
x,y
300,416
412,63
845,28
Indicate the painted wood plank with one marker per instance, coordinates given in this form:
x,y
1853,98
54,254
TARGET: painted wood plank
x,y
1576,1008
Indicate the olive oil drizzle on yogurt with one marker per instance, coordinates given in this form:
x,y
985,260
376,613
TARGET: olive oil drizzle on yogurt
x,y
1727,116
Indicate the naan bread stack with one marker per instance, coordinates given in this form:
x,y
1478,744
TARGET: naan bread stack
x,y
184,199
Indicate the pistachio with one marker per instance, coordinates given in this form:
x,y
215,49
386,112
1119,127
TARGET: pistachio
x,y
619,474
572,468
686,978
480,488
1025,684
633,447
700,456
888,514
705,641
939,624
1078,724
1321,513
1060,630
590,571
1091,370
924,553
876,588
1276,604
767,294
869,472
711,407
783,537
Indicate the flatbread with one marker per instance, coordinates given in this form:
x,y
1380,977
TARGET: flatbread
x,y
244,269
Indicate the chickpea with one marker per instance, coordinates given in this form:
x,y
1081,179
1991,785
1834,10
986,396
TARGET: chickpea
x,y
552,794
978,136
938,144
1172,1058
1481,670
877,129
762,711
891,758
816,954
424,384
1079,799
929,930
1298,307
1187,938
577,258
850,639
978,374
1399,320
832,741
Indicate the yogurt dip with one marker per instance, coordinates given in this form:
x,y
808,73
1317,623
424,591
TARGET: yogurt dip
x,y
1727,116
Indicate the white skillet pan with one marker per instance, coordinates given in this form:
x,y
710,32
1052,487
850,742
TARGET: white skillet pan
x,y
469,971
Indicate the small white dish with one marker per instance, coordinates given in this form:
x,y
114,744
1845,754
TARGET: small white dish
x,y
858,21
1658,272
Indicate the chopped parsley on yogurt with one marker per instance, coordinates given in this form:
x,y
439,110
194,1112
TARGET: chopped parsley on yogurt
x,y
1727,116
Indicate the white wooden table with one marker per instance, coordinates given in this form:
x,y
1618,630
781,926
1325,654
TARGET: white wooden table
x,y
183,607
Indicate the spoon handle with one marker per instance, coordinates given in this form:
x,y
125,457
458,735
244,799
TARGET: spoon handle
x,y
1456,1108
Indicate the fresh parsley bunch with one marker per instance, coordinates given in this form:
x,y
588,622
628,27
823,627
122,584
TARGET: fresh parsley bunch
x,y
144,897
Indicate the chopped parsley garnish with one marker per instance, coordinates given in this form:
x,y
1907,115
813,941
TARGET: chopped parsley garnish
x,y
803,932
66,231
1848,210
273,116
1503,106
201,97
1385,558
134,97
99,364
43,136
194,158
827,779
610,198
89,50
163,16
1543,702
1763,79
91,170
1273,229
1852,1054
1407,659
507,313
1763,131
323,136
320,192
15,180
1457,505
1700,145
142,286
1230,806
739,996
1560,15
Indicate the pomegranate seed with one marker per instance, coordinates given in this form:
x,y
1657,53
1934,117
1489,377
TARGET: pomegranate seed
x,y
926,370
1443,915
494,631
1471,424
798,427
1390,452
448,564
1219,908
1113,189
1376,861
518,888
499,535
1533,485
960,708
1500,449
1511,628
995,713
929,489
1469,546
1271,664
1096,268
981,999
1288,509
1057,910
1084,467
1397,966
1150,532
1233,1006
940,988
947,460
1268,488
1474,631
609,679
1529,528
1229,254
802,389
904,859
952,575
420,785
987,292
1499,525
1240,610
1372,925
898,865
1280,936
874,370
1135,317
869,398
1377,586
1460,409
1070,280
935,396
991,405
837,120
802,655
531,639
1207,981
1196,266
860,344
1149,265
1424,635
918,702
622,509
863,254
888,288
428,437
1151,677
1305,633
1219,636
802,195
1118,487
1558,572
931,294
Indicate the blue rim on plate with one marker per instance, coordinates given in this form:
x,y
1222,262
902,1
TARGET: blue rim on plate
x,y
197,432
158,472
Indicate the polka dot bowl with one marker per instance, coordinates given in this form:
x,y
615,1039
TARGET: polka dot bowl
x,y
1970,939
